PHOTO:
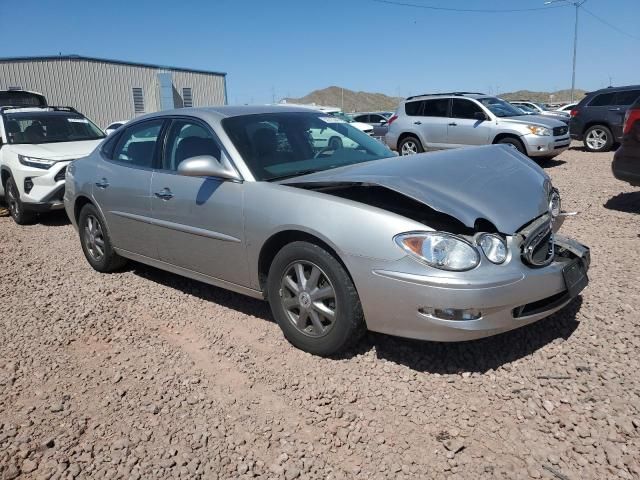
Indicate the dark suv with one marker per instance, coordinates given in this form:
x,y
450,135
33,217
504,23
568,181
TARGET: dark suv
x,y
597,120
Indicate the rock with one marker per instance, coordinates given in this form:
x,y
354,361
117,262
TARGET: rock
x,y
11,472
291,473
548,406
453,445
29,466
56,407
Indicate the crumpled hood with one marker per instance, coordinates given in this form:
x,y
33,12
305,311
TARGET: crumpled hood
x,y
57,151
493,182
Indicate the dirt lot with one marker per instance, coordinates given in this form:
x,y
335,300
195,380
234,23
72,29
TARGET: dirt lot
x,y
143,374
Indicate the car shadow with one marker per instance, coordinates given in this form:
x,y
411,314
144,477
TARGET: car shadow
x,y
226,298
57,218
628,202
551,163
477,356
431,357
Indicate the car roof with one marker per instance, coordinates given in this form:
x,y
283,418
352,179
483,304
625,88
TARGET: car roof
x,y
226,111
448,95
614,89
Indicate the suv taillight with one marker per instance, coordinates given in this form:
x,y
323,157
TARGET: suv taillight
x,y
632,116
392,119
574,112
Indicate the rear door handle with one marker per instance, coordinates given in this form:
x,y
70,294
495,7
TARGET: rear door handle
x,y
164,194
453,124
614,109
417,122
102,183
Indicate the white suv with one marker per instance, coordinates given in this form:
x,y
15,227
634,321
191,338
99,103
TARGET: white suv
x,y
36,145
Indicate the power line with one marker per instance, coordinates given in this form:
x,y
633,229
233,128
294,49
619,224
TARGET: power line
x,y
469,10
610,25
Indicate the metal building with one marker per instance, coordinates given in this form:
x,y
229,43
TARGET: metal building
x,y
109,90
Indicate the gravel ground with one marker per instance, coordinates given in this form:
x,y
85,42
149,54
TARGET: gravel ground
x,y
144,374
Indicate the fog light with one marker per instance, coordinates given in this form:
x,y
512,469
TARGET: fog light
x,y
28,184
459,314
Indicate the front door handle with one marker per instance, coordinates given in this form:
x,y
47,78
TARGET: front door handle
x,y
418,122
453,124
164,194
102,183
614,109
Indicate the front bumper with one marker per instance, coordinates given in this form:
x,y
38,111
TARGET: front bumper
x,y
46,187
399,298
539,146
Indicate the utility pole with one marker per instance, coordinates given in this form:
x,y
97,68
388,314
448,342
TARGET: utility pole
x,y
577,6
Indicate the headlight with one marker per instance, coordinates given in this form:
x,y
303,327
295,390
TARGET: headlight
x,y
541,131
494,247
555,205
440,250
35,162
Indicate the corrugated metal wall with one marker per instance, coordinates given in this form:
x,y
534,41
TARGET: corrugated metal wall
x,y
103,91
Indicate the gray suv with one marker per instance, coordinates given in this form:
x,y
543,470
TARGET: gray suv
x,y
450,120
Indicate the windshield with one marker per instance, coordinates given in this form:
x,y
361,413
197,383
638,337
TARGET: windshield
x,y
49,127
343,116
526,108
500,108
280,145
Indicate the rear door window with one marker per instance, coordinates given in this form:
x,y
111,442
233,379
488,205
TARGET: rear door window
x,y
602,100
627,97
436,108
362,118
137,144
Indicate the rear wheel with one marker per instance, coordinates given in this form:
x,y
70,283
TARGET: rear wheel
x,y
96,243
598,138
410,146
514,142
15,205
314,300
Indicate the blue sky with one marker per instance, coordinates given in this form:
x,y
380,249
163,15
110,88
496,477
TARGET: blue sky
x,y
276,48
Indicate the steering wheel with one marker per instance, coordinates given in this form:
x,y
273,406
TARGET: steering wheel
x,y
329,148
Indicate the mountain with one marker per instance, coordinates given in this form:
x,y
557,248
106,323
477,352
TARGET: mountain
x,y
351,101
348,100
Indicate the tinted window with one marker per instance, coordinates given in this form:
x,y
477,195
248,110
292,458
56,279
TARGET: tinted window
x,y
602,100
464,109
287,144
49,127
436,108
187,139
137,144
362,118
21,99
413,108
376,118
627,98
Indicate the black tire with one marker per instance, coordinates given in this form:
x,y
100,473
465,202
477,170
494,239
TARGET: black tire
x,y
515,142
15,205
348,324
109,260
410,144
598,138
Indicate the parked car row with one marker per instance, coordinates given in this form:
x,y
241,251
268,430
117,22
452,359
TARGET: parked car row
x,y
338,237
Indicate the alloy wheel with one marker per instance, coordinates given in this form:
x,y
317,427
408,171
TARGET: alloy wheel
x,y
409,148
12,202
94,238
596,139
308,298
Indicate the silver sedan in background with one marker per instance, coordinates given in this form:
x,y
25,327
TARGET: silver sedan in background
x,y
444,246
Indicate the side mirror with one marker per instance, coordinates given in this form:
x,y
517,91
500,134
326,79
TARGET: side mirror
x,y
383,122
480,116
205,166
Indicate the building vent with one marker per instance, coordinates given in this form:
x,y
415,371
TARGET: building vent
x,y
138,100
187,97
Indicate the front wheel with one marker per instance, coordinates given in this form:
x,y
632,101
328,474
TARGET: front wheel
x,y
314,300
15,205
96,243
598,138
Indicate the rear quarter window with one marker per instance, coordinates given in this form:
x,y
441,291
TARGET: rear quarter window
x,y
413,108
627,97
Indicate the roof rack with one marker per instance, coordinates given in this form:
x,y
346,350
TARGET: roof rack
x,y
445,93
54,108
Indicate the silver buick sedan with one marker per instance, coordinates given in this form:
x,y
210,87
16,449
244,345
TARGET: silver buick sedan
x,y
340,239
